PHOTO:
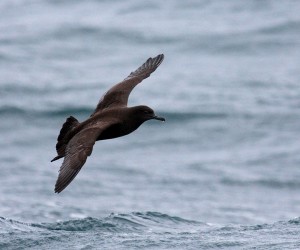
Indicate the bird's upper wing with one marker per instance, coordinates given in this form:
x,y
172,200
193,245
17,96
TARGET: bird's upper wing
x,y
119,93
77,151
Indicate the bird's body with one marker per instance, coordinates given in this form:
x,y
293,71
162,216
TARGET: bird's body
x,y
111,119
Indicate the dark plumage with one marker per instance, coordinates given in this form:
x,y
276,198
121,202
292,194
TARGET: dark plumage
x,y
111,119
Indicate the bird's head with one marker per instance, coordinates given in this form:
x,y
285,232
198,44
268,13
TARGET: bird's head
x,y
144,113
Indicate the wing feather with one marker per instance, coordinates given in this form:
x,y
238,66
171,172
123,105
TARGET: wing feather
x,y
119,93
77,151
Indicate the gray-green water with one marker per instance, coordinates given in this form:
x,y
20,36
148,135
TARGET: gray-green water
x,y
221,172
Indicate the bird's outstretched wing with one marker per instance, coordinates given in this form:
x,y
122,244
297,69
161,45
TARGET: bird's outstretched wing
x,y
77,151
118,95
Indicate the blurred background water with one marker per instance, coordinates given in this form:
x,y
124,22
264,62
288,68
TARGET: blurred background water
x,y
222,172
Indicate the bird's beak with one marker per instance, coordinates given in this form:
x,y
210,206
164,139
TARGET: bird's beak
x,y
159,118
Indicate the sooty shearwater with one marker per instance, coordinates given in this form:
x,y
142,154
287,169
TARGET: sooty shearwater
x,y
111,119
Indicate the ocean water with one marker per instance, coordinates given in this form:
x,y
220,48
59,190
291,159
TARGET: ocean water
x,y
223,171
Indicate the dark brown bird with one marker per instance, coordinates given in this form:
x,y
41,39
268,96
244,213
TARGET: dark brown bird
x,y
111,119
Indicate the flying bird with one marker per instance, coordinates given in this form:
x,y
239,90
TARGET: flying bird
x,y
111,119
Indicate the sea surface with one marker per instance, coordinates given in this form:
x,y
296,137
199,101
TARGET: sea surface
x,y
223,171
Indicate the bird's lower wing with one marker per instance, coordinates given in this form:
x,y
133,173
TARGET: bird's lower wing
x,y
77,151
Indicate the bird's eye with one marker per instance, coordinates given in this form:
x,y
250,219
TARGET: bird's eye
x,y
147,112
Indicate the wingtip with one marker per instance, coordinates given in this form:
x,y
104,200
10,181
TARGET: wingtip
x,y
56,158
160,56
158,59
57,190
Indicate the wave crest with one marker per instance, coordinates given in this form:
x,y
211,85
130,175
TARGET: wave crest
x,y
136,221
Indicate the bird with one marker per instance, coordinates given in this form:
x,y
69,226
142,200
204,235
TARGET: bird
x,y
112,118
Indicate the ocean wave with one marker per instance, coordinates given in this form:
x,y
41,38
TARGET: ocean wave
x,y
271,183
13,88
136,221
20,111
9,225
259,39
86,111
60,111
75,32
112,34
290,26
146,229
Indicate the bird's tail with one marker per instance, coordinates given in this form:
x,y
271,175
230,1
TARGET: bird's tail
x,y
62,139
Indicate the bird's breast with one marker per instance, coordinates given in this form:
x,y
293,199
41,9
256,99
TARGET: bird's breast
x,y
116,130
